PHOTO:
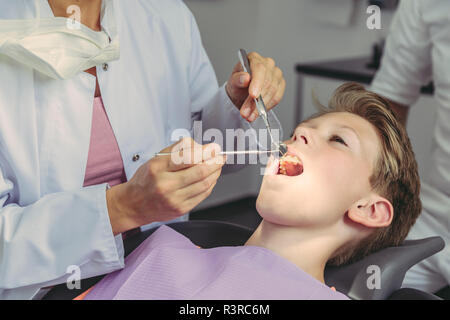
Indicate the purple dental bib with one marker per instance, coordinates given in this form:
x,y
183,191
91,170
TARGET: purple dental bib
x,y
167,265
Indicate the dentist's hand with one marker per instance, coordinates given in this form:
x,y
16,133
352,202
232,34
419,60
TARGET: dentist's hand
x,y
165,187
267,80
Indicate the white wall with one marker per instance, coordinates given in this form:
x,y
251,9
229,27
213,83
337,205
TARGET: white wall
x,y
290,31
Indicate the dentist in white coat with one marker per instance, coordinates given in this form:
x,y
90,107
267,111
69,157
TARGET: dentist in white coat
x,y
83,109
417,50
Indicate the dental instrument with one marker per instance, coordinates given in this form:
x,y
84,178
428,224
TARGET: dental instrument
x,y
282,148
226,152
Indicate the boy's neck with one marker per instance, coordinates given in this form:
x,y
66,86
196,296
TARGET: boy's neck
x,y
308,249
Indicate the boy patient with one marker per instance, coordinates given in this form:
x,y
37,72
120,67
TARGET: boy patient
x,y
347,187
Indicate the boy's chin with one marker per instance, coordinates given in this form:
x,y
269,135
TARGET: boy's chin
x,y
270,209
259,204
272,196
262,205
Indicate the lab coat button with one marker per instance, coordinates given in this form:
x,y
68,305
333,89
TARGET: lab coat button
x,y
136,157
105,67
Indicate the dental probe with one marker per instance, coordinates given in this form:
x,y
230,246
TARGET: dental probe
x,y
225,152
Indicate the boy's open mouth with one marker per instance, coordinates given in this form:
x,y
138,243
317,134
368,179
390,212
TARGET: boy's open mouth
x,y
290,165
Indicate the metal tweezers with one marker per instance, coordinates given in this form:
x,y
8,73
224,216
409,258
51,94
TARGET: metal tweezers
x,y
281,147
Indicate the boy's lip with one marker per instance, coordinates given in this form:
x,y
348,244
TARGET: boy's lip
x,y
294,152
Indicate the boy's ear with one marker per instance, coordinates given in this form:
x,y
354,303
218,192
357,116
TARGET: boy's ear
x,y
373,212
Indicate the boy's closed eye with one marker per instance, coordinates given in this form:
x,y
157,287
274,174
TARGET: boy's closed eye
x,y
338,139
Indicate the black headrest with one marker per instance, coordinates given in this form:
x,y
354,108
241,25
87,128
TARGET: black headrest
x,y
378,275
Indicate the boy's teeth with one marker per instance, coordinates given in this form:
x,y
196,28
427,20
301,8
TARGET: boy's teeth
x,y
291,158
290,165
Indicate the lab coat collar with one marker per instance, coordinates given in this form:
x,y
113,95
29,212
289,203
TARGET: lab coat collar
x,y
108,19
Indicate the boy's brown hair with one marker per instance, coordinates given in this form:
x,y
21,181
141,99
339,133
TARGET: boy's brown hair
x,y
395,175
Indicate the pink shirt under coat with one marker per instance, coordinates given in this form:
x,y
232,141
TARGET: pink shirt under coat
x,y
105,164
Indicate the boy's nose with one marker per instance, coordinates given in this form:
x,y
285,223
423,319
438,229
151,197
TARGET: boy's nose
x,y
303,136
304,139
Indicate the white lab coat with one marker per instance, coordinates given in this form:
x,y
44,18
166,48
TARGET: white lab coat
x,y
417,49
162,81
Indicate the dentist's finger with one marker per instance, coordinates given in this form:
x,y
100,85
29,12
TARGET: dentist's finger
x,y
272,166
199,172
237,86
211,151
189,204
194,201
248,107
270,76
191,154
279,95
273,88
176,158
259,72
200,187
239,80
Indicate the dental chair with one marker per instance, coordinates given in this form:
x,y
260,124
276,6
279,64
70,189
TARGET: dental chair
x,y
352,280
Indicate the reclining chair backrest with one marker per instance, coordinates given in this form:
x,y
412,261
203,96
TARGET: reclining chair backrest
x,y
350,280
379,275
204,233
